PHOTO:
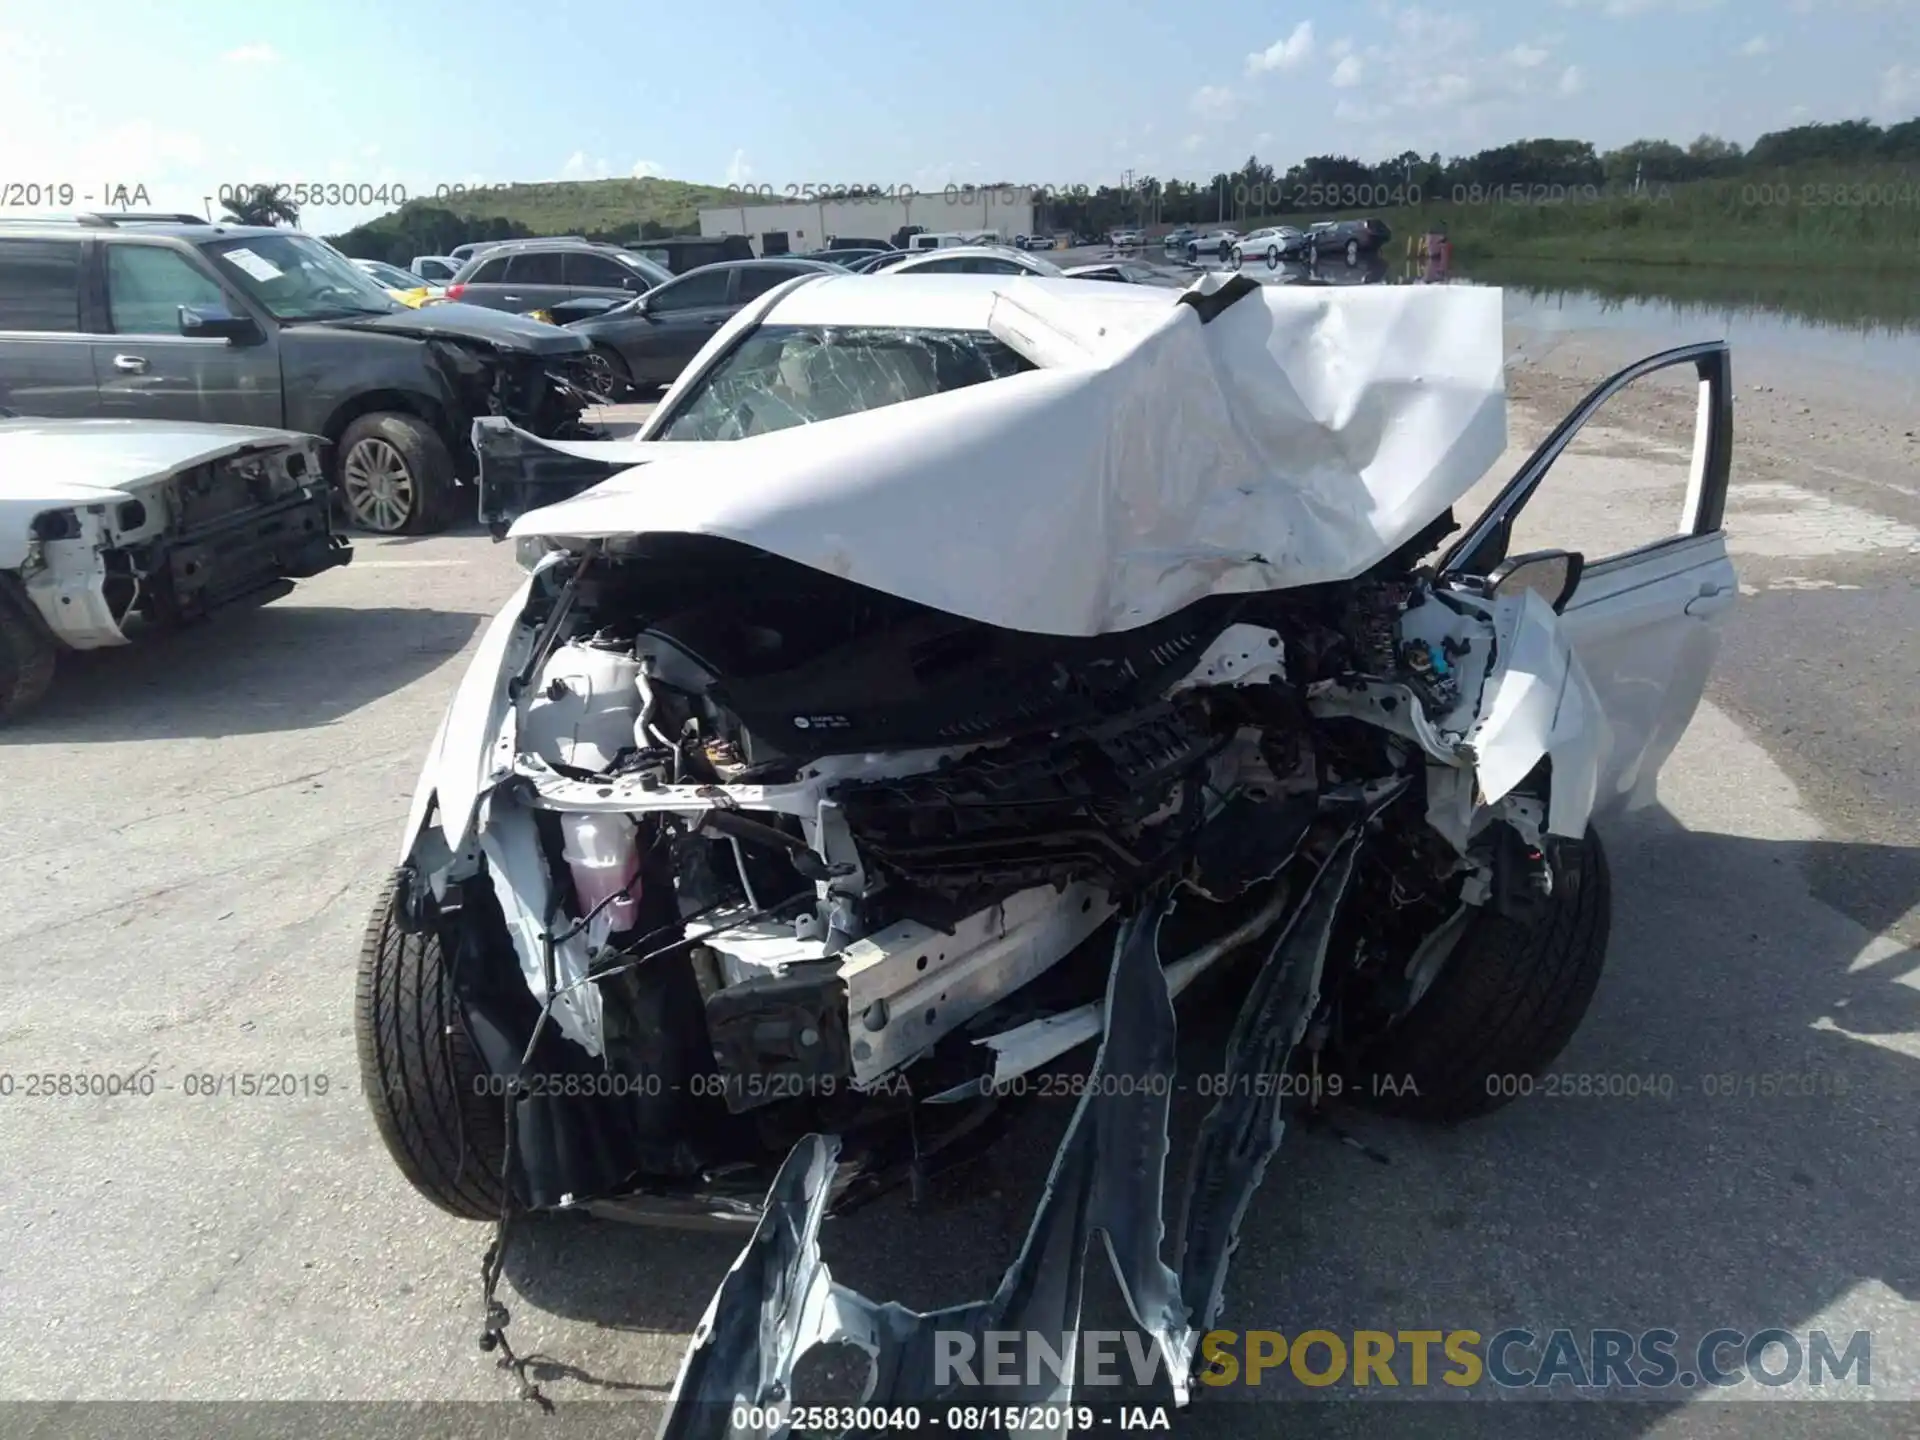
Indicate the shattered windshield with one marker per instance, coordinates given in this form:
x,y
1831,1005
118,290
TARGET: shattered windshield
x,y
786,375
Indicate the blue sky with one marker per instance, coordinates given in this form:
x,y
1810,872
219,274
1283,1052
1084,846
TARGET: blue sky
x,y
182,95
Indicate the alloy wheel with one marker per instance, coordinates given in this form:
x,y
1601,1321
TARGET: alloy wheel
x,y
379,487
601,377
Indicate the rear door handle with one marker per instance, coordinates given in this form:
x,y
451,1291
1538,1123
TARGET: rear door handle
x,y
130,364
509,297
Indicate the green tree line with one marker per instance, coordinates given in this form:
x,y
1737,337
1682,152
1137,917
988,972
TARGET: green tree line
x,y
1329,183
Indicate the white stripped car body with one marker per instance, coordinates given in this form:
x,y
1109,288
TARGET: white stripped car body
x,y
101,520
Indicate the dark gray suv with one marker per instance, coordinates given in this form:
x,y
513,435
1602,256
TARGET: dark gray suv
x,y
523,275
169,317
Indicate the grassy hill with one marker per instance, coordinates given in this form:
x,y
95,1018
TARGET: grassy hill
x,y
616,210
576,207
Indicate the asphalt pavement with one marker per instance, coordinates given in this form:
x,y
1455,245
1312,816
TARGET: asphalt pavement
x,y
194,831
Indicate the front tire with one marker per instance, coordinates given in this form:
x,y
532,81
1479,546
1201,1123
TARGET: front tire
x,y
419,1071
396,475
1353,252
1502,1008
1236,257
1273,257
27,654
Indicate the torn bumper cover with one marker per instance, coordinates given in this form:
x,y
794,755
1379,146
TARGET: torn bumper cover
x,y
780,1301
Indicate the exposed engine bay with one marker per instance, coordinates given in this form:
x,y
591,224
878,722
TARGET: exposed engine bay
x,y
805,855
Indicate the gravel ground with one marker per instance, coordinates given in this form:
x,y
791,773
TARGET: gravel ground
x,y
196,829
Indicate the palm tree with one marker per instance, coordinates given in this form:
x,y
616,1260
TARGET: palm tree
x,y
262,205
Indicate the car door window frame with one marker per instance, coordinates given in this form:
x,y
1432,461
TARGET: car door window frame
x,y
777,276
605,264
526,259
223,296
80,282
1703,512
681,285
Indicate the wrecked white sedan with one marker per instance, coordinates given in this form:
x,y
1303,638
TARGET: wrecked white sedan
x,y
948,676
106,524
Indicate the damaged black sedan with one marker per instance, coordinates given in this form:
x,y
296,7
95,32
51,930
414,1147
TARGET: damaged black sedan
x,y
946,678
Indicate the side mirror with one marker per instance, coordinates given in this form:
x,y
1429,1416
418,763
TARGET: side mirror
x,y
1553,575
216,322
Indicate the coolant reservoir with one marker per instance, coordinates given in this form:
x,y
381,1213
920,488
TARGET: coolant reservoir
x,y
603,854
582,712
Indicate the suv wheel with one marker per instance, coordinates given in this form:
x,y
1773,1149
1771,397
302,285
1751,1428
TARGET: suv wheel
x,y
395,475
1353,252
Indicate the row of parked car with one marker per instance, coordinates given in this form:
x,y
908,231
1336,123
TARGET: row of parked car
x,y
1349,239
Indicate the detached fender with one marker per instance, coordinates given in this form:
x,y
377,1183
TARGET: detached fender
x,y
1539,704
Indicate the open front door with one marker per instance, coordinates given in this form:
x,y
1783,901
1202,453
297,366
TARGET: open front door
x,y
1645,622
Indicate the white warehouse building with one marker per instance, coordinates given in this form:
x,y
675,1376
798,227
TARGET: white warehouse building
x,y
795,225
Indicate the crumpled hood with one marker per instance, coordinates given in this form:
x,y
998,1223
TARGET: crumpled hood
x,y
450,320
86,462
1300,436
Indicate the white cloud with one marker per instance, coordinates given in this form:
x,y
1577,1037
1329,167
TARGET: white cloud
x,y
258,53
1285,54
1347,73
1758,45
1571,81
1527,57
141,148
1212,102
1899,88
579,167
738,170
1192,143
1263,138
644,169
